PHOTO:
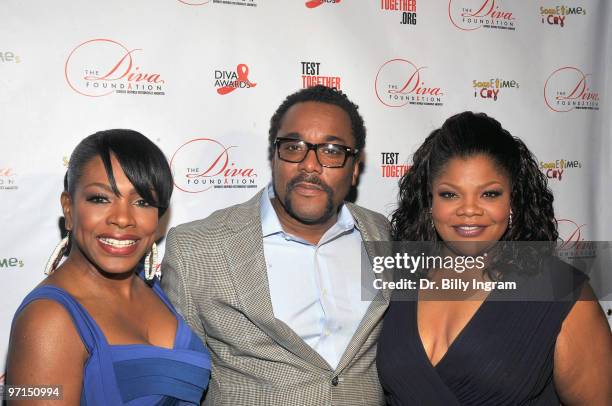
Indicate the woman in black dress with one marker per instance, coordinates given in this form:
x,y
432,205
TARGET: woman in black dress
x,y
472,182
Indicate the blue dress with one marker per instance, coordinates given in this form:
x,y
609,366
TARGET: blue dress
x,y
135,374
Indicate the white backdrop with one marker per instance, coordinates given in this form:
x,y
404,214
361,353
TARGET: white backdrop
x,y
70,68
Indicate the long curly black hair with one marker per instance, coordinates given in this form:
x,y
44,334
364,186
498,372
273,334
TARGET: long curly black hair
x,y
464,135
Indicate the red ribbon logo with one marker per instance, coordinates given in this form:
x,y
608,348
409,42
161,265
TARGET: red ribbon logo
x,y
242,73
317,3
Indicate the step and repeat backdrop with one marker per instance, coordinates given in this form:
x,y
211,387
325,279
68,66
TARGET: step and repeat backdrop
x,y
202,79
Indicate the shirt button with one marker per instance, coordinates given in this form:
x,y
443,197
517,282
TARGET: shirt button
x,y
335,381
326,332
609,312
324,292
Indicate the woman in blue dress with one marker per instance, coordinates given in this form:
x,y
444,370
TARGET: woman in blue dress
x,y
96,326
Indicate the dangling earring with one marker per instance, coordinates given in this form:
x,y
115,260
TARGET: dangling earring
x,y
431,221
510,220
150,264
57,255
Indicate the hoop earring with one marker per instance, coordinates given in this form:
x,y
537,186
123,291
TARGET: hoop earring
x,y
57,255
151,269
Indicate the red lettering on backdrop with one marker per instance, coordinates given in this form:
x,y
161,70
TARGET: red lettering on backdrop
x,y
488,9
580,91
573,238
131,76
317,3
555,20
415,81
220,162
495,14
242,73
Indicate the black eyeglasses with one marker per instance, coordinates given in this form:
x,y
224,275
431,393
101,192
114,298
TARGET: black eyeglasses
x,y
328,155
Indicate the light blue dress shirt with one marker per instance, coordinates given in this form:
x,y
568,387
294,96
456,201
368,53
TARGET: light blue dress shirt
x,y
315,289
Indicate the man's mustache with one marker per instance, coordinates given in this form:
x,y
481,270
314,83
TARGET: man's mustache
x,y
312,179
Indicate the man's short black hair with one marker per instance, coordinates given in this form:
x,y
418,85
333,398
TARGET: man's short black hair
x,y
321,94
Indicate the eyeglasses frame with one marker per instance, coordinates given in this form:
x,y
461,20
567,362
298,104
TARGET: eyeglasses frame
x,y
350,152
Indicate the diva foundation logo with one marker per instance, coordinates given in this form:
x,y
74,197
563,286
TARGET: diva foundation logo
x,y
568,88
572,243
100,67
202,164
471,15
400,82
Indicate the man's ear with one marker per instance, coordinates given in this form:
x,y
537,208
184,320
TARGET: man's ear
x,y
66,202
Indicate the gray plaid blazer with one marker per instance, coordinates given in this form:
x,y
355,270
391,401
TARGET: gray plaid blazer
x,y
214,272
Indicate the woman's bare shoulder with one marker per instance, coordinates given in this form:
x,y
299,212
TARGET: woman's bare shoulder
x,y
44,329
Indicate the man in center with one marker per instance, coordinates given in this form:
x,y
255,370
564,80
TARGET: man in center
x,y
273,285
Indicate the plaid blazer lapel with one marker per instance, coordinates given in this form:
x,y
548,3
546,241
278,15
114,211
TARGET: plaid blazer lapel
x,y
380,302
244,251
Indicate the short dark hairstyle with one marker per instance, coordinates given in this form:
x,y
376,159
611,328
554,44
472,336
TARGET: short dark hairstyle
x,y
321,94
464,135
142,161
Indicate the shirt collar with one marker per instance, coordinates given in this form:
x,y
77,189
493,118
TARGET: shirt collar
x,y
270,224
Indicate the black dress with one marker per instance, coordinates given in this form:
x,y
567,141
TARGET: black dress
x,y
503,356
